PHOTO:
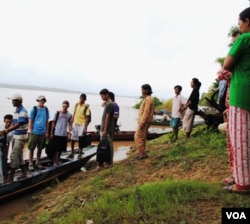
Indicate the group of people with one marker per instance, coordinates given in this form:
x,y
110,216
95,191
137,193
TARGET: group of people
x,y
36,128
235,73
185,109
179,106
236,68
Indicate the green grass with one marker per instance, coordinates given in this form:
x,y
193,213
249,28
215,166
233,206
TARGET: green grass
x,y
117,195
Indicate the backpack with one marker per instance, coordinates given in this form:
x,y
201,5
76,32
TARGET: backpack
x,y
49,144
50,122
103,152
85,111
35,111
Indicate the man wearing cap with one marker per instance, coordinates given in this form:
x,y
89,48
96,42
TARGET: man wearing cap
x,y
80,118
19,127
38,127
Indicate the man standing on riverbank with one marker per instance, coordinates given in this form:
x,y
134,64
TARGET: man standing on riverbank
x,y
20,136
145,116
107,127
178,102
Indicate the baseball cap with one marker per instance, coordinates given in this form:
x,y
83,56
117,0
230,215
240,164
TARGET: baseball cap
x,y
16,97
41,97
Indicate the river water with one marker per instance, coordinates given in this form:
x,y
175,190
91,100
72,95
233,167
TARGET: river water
x,y
127,120
128,115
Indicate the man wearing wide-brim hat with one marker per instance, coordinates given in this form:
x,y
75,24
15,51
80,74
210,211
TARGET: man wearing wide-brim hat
x,y
38,126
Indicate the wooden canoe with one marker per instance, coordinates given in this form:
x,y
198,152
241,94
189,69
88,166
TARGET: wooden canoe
x,y
127,135
38,178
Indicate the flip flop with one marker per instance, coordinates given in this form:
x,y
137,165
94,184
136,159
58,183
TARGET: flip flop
x,y
105,165
96,169
228,181
22,176
233,189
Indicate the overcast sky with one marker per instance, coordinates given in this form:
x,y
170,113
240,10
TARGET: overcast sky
x,y
87,45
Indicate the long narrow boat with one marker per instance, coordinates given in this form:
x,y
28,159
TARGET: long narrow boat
x,y
40,177
128,135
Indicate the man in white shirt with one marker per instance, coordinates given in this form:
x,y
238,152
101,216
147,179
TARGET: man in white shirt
x,y
178,102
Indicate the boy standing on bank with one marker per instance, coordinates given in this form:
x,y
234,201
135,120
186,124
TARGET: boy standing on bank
x,y
178,103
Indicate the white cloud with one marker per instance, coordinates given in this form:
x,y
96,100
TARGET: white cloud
x,y
115,44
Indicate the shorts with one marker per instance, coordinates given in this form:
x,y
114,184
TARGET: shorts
x,y
77,130
36,141
60,143
175,122
16,156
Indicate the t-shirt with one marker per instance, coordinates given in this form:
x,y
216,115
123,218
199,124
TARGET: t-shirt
x,y
21,116
146,110
79,117
116,110
194,98
40,119
62,123
178,101
108,109
2,139
240,80
9,135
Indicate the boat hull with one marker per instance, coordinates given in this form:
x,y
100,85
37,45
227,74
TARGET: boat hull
x,y
38,178
126,135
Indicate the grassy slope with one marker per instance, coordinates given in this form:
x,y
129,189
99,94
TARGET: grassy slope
x,y
178,183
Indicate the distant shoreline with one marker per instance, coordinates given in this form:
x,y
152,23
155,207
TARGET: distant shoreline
x,y
27,87
50,89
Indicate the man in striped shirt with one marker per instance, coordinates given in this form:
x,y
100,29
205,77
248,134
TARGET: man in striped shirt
x,y
20,135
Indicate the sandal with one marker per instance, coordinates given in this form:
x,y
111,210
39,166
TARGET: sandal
x,y
105,165
22,176
228,181
96,169
234,189
70,156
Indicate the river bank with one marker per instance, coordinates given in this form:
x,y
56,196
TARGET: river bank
x,y
178,183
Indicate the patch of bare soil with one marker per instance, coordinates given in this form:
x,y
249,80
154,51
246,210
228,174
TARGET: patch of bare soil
x,y
143,171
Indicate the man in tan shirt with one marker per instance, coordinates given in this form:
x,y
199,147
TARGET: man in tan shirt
x,y
145,116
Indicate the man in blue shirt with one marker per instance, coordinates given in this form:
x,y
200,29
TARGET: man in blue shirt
x,y
38,126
